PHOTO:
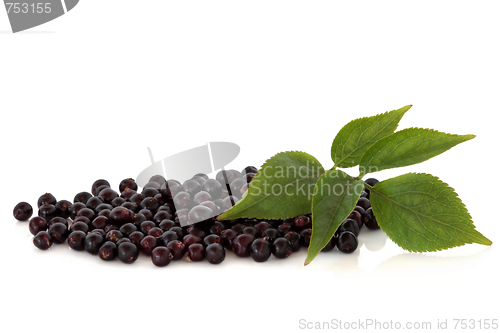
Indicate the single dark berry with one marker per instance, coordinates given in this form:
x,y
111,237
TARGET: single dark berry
x,y
356,216
59,232
241,245
108,194
149,203
191,239
165,225
110,227
182,200
252,231
211,239
294,239
347,242
127,229
271,235
155,232
364,203
118,202
365,194
100,232
99,222
127,252
305,237
158,179
146,226
147,213
163,207
137,219
75,208
349,225
136,237
79,226
179,231
160,216
285,227
58,219
147,244
200,197
330,245
150,192
23,211
372,181
370,221
93,203
238,227
248,177
114,236
127,194
260,250
195,252
281,248
249,169
191,186
100,189
227,236
76,240
216,228
102,207
302,222
161,256
123,240
153,185
46,198
177,248
137,198
108,251
98,183
42,240
215,253
82,197
87,212
167,237
62,208
127,183
48,211
120,216
82,219
93,242
212,187
37,224
261,226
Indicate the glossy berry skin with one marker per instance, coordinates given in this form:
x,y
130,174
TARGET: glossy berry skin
x,y
330,245
147,244
22,211
356,216
241,245
75,208
120,216
349,225
62,208
192,187
101,188
59,232
211,239
170,189
347,242
146,226
118,202
261,226
364,203
79,226
127,229
249,169
37,224
100,232
76,240
123,240
191,239
114,236
252,231
98,183
260,250
46,198
305,237
199,214
87,212
82,197
177,248
182,200
127,253
195,252
370,221
161,256
149,203
215,253
284,228
42,240
58,219
238,227
372,181
127,194
155,232
127,183
157,179
281,248
48,211
108,251
99,222
179,231
108,194
160,216
212,187
227,236
294,239
93,242
167,237
216,228
165,225
201,197
136,237
271,235
235,187
302,222
93,203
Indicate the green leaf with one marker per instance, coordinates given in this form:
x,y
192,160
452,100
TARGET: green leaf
x,y
282,188
335,197
357,136
407,147
421,213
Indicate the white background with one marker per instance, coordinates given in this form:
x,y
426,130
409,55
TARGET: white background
x,y
82,98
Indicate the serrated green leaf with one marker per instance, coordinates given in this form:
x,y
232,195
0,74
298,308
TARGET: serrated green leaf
x,y
354,139
335,197
421,213
407,147
282,188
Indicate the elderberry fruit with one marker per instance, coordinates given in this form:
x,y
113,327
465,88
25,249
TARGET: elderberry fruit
x,y
23,211
108,251
76,240
37,224
347,242
215,253
177,248
82,197
349,225
271,235
161,256
42,240
48,211
294,239
59,232
62,208
46,198
281,248
98,183
127,252
93,242
260,250
241,245
195,252
370,221
127,183
147,244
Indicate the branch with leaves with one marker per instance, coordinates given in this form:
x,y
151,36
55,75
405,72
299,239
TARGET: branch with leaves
x,y
417,211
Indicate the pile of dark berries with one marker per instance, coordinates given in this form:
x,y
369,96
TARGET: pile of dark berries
x,y
169,221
